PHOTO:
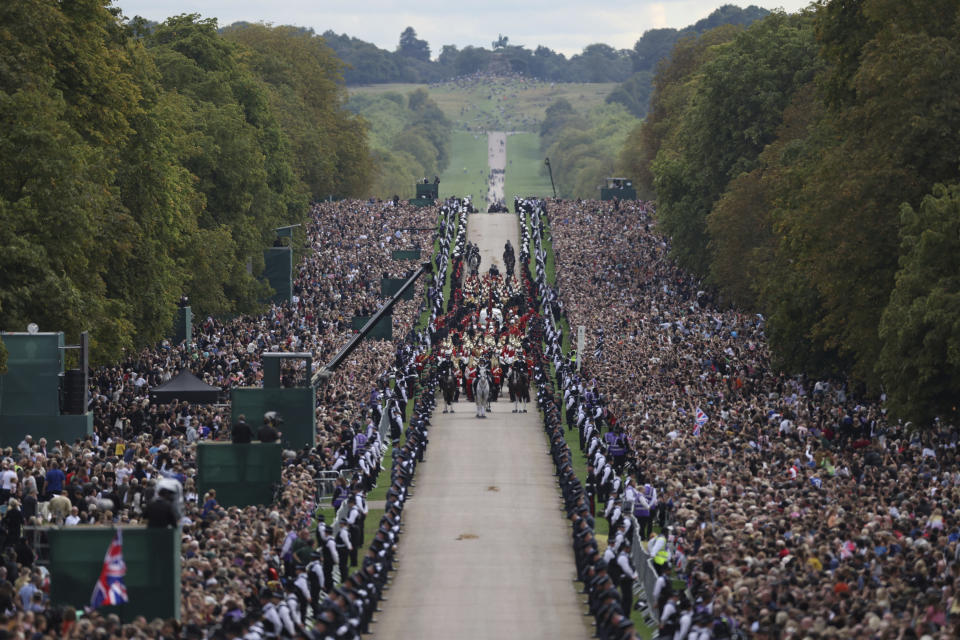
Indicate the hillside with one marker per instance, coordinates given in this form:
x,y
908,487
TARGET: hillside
x,y
497,103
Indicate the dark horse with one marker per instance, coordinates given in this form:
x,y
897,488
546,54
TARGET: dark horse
x,y
473,259
518,383
448,384
508,259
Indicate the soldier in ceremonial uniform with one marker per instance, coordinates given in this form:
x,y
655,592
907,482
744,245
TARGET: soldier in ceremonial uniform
x,y
471,376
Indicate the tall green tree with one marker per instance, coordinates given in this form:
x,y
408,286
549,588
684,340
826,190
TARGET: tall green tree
x,y
411,46
741,93
888,134
241,159
67,96
304,84
920,328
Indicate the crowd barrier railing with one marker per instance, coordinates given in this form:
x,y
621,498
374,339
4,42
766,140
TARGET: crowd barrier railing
x,y
643,564
326,482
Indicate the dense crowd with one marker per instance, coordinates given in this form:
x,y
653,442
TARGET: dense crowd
x,y
347,251
237,563
793,507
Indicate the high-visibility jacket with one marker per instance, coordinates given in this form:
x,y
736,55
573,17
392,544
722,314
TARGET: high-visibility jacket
x,y
663,556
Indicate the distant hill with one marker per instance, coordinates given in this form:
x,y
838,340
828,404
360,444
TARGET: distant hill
x,y
413,62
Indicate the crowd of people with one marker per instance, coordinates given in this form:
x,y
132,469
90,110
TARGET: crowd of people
x,y
793,508
348,249
239,564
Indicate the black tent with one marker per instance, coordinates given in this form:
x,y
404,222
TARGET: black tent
x,y
185,387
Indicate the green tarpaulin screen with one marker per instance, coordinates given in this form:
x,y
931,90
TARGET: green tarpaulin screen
x,y
390,286
383,330
296,405
278,272
406,254
31,386
626,193
152,557
242,474
428,191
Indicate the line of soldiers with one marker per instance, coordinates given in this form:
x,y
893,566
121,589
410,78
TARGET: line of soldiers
x,y
345,611
609,589
635,496
609,606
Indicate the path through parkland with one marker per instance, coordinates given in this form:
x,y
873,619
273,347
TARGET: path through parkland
x,y
486,551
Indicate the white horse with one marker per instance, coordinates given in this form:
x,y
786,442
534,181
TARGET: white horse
x,y
481,392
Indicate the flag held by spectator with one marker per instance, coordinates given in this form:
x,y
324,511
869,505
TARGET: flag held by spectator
x,y
701,420
110,588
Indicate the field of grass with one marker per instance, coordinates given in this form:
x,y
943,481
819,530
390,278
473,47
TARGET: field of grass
x,y
524,162
502,104
467,172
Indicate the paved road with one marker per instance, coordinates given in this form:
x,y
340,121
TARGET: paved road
x,y
490,231
496,159
485,553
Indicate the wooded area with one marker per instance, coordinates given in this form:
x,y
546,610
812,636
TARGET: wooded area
x,y
138,165
409,138
807,167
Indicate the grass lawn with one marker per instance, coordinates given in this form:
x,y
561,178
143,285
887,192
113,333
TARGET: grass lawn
x,y
524,163
468,151
502,104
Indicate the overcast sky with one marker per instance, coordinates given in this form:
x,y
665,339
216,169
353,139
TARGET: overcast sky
x,y
566,26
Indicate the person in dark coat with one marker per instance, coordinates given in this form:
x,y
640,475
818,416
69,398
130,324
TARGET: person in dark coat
x,y
267,432
241,433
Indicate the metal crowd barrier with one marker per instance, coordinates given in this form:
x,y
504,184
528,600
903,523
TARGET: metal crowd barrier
x,y
643,564
326,483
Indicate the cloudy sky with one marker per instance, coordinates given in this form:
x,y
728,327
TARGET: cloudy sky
x,y
566,26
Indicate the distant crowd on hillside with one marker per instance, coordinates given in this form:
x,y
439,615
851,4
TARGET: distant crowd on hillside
x,y
794,508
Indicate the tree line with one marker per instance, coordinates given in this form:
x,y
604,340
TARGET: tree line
x,y
413,61
584,147
807,167
141,162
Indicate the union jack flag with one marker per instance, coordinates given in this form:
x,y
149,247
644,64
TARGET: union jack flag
x,y
701,420
110,588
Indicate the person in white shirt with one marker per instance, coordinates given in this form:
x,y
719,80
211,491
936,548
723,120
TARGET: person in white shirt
x,y
26,446
8,481
73,519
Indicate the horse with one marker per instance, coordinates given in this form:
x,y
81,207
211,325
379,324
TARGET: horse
x,y
509,260
473,259
481,392
448,384
518,382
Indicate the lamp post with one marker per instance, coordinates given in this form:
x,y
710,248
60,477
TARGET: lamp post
x,y
546,161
